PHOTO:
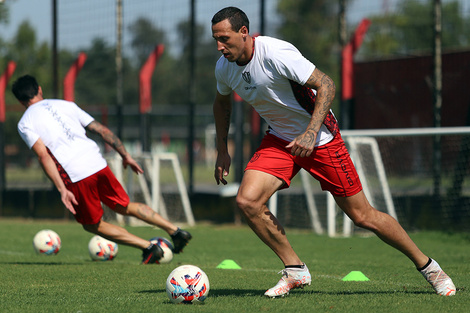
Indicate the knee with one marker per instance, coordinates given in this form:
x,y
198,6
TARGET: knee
x,y
92,228
365,218
247,206
360,220
122,210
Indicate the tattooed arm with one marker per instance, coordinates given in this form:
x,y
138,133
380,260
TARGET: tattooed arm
x,y
222,112
110,138
303,145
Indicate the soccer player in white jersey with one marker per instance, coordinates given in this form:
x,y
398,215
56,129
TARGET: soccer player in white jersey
x,y
294,97
56,131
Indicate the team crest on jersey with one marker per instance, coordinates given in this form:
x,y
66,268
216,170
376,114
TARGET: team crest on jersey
x,y
246,77
255,157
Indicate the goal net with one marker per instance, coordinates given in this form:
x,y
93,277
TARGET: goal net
x,y
162,188
419,176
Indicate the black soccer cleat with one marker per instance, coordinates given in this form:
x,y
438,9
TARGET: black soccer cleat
x,y
152,254
180,240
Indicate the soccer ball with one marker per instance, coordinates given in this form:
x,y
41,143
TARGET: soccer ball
x,y
102,249
187,284
167,248
47,242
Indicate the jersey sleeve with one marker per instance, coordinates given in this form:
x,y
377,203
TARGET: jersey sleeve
x,y
222,86
291,64
27,134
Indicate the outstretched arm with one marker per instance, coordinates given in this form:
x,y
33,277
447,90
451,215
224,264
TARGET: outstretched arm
x,y
222,112
49,167
110,138
303,145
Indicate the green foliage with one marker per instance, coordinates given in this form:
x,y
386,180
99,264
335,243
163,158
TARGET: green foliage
x,y
312,26
30,56
144,38
97,81
4,14
409,30
71,282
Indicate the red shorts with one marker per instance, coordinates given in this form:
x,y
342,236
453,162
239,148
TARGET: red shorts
x,y
330,164
91,191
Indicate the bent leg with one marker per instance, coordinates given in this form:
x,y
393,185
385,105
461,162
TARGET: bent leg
x,y
255,190
117,234
145,213
363,215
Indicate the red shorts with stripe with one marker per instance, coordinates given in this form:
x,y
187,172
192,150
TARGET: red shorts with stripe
x,y
102,186
330,164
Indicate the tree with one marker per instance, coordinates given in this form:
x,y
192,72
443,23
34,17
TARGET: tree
x,y
409,30
30,56
145,36
312,26
4,19
96,84
4,14
206,55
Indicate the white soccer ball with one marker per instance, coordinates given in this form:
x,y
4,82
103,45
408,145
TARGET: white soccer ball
x,y
102,249
187,284
47,242
167,248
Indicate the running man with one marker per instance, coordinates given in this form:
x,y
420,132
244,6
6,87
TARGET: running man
x,y
294,97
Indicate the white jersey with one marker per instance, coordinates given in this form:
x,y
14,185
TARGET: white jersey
x,y
272,82
61,126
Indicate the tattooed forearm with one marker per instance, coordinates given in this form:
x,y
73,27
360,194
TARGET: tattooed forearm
x,y
326,89
108,136
308,138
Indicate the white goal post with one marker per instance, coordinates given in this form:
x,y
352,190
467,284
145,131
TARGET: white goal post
x,y
152,189
365,152
353,143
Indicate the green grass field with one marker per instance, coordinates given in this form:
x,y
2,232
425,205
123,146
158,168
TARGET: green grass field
x,y
71,282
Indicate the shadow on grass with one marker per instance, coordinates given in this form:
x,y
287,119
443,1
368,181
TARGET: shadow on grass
x,y
219,292
367,292
41,263
258,292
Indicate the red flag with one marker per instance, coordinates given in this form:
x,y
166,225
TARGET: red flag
x,y
3,86
71,76
145,79
347,56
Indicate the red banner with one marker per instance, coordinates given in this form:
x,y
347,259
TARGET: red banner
x,y
347,57
71,76
3,86
145,79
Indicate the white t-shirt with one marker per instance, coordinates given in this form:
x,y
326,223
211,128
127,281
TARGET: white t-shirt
x,y
272,82
61,126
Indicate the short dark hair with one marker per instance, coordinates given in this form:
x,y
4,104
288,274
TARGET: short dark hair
x,y
25,88
235,16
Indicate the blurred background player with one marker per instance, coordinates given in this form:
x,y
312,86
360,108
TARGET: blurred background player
x,y
294,97
56,131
